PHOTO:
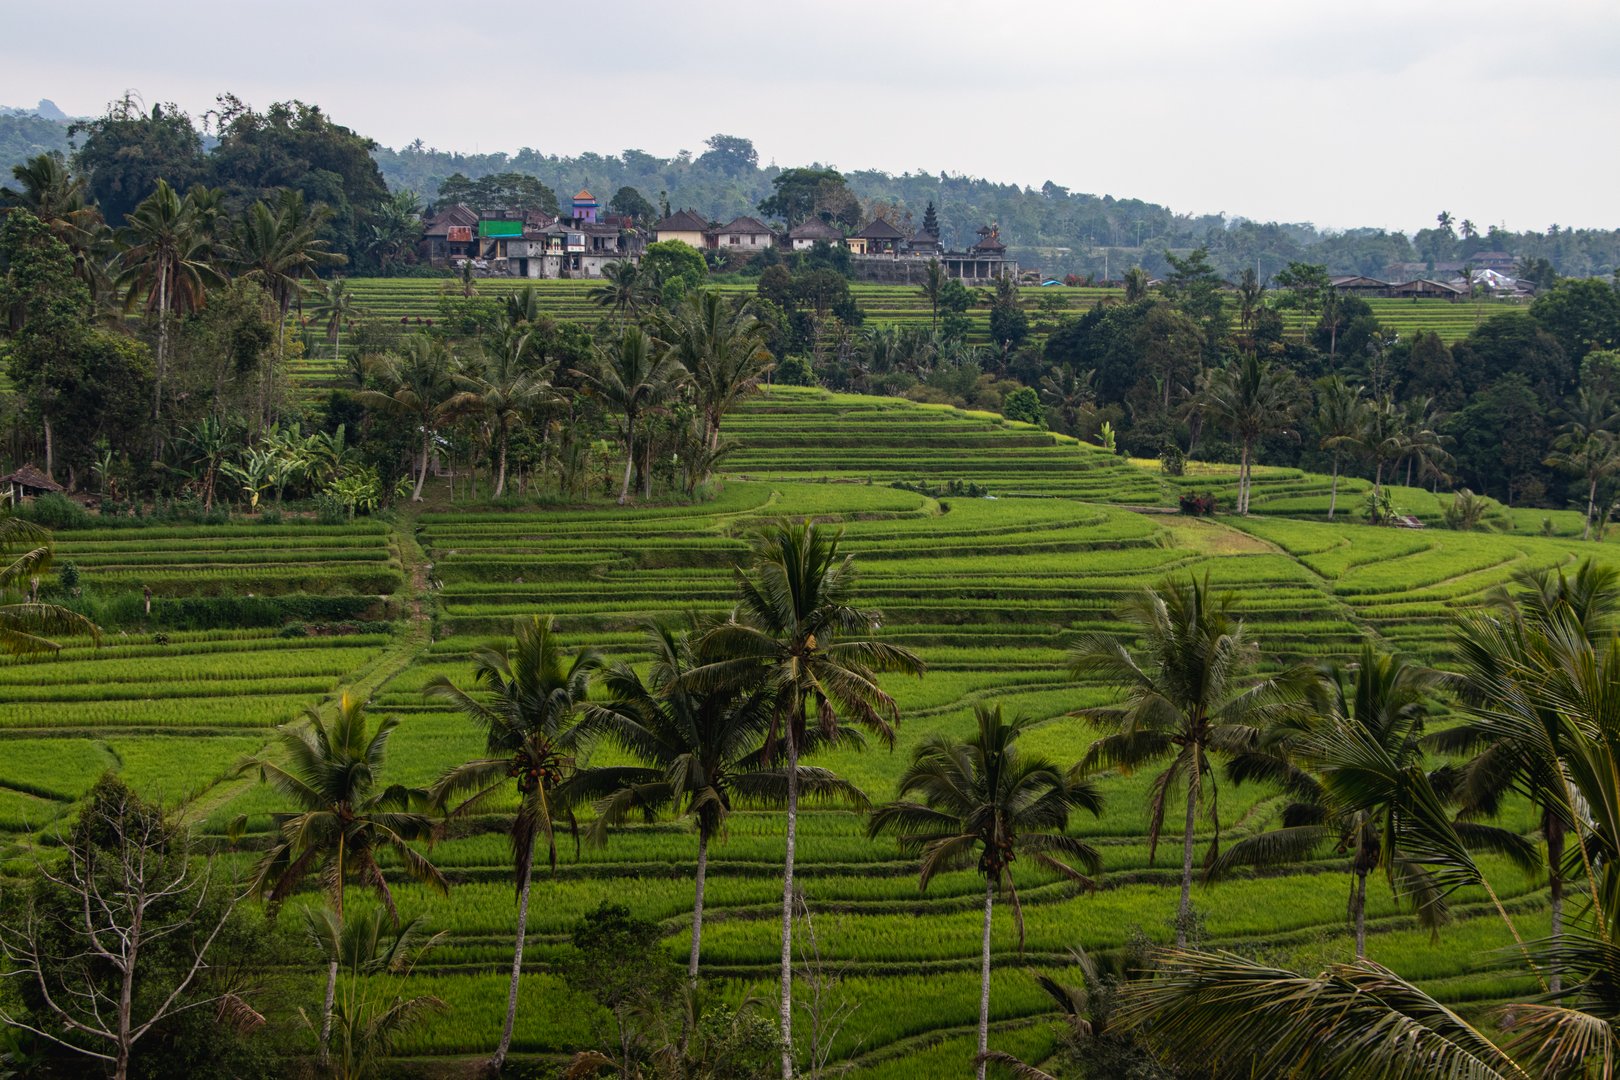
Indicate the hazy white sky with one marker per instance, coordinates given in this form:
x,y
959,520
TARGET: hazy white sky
x,y
1379,112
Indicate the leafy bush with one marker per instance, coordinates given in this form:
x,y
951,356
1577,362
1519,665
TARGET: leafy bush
x,y
1197,505
55,512
1172,462
795,371
1023,404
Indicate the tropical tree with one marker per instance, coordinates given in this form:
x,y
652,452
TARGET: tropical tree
x,y
1376,711
623,289
26,624
1425,446
1383,439
165,264
1072,393
371,1013
346,818
418,383
797,631
527,698
1251,398
1515,735
722,347
506,396
1340,421
933,286
982,802
209,442
1251,294
702,754
1188,692
1136,284
634,377
279,249
1588,447
46,189
394,230
337,309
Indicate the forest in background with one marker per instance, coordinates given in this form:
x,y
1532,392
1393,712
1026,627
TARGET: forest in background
x,y
1049,226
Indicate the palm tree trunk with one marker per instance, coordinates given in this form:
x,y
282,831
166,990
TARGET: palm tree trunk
x,y
1333,492
162,358
421,477
50,448
629,460
326,1011
517,966
697,904
500,475
984,976
787,904
1554,831
1591,508
1243,480
1184,912
1358,905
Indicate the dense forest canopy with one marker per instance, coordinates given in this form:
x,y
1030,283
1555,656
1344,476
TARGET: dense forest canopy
x,y
1048,226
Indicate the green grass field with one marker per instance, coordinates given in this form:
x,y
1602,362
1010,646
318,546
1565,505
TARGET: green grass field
x,y
987,590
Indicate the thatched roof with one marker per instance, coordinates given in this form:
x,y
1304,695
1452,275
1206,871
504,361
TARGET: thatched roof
x,y
30,477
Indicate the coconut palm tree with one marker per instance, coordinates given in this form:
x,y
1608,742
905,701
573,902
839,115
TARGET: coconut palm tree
x,y
634,377
1189,691
280,248
165,265
395,227
1588,447
623,289
345,818
337,309
1072,393
1382,439
506,396
46,189
982,802
527,698
1513,734
1251,398
1136,284
722,346
796,630
26,625
702,754
1340,420
1425,445
1380,706
1251,294
419,384
934,279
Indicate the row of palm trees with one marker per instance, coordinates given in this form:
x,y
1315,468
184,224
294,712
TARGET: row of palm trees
x,y
730,704
174,248
1537,674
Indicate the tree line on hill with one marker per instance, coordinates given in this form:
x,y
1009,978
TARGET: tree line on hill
x,y
201,389
723,719
294,144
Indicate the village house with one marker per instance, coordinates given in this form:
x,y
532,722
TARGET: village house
x,y
1359,285
532,244
878,238
808,234
687,226
1424,289
882,253
743,234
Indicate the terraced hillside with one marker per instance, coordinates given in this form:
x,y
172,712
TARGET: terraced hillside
x,y
414,301
987,590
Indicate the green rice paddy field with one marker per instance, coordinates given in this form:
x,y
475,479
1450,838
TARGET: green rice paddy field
x,y
985,589
389,300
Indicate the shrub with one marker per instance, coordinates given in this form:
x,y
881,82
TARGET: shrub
x,y
1197,505
1172,462
55,511
795,371
331,510
1023,404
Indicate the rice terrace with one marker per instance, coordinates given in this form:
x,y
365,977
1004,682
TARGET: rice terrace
x,y
679,616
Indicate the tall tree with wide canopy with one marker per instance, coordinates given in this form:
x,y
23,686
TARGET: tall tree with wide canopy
x,y
634,377
1190,690
61,199
982,802
505,395
796,630
527,698
1588,447
345,817
702,754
